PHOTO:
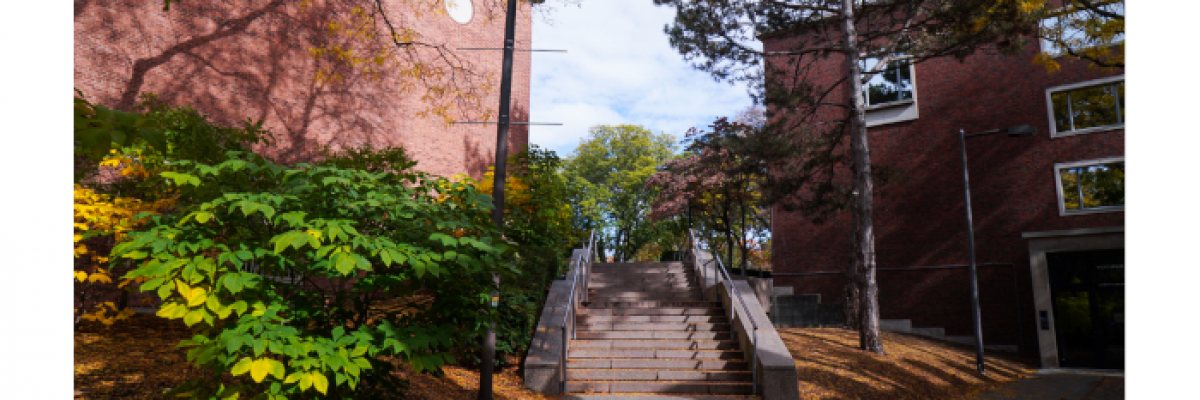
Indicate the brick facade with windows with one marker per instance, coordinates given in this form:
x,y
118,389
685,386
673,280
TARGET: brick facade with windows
x,y
250,59
920,227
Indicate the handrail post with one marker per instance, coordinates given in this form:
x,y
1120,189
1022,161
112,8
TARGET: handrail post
x,y
583,266
754,361
563,370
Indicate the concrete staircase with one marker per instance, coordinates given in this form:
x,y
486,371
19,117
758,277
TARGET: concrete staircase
x,y
646,331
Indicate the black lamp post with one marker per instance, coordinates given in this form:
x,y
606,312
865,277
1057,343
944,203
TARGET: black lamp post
x,y
489,340
1016,131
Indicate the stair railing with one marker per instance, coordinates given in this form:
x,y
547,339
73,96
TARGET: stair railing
x,y
583,267
722,276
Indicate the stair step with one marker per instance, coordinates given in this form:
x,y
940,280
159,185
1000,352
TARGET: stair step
x,y
638,289
654,326
642,275
650,303
607,298
645,293
657,375
653,311
600,344
654,363
656,353
711,335
641,270
600,386
624,277
656,396
640,286
611,319
638,264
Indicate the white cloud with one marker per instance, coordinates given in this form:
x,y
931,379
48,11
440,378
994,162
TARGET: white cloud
x,y
619,68
572,116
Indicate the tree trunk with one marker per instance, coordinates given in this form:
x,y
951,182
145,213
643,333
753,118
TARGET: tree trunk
x,y
600,249
742,238
850,300
863,276
123,301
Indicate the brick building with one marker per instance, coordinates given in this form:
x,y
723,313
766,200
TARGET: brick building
x,y
1050,266
252,59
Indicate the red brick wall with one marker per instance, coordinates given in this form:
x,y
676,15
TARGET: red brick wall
x,y
250,59
920,219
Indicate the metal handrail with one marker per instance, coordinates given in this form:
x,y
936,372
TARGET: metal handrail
x,y
734,294
583,267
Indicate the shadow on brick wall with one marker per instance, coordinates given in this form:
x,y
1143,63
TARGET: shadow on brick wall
x,y
252,59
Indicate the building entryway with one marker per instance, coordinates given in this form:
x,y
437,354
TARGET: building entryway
x,y
1087,290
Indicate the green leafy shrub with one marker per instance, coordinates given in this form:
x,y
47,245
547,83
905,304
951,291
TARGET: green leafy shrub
x,y
281,272
119,157
538,220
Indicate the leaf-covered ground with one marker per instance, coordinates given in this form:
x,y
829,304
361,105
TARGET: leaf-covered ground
x,y
137,359
831,367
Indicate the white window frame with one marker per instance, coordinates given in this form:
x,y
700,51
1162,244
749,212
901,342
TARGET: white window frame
x,y
895,111
912,74
1062,205
1054,133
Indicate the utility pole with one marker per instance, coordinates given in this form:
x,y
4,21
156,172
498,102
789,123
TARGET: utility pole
x,y
489,340
487,356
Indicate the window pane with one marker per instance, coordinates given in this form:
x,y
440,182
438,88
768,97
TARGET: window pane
x,y
1121,98
1094,106
892,84
1062,118
904,80
1070,188
1103,185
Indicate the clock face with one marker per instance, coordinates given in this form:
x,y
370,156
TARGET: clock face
x,y
460,10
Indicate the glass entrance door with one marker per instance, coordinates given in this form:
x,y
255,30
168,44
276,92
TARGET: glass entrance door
x,y
1088,293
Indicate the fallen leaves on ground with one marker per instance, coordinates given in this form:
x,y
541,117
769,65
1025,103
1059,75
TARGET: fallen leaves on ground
x,y
137,359
463,384
831,366
134,358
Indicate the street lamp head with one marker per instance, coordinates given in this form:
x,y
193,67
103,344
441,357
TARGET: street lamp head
x,y
1022,130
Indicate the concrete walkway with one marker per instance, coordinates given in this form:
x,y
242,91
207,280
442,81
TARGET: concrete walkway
x,y
1063,384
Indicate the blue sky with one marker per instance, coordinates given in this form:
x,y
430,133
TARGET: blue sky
x,y
619,68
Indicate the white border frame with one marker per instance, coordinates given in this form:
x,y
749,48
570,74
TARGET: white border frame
x,y
912,107
1040,243
912,73
1054,133
1058,187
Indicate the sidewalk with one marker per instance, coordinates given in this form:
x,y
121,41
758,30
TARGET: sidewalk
x,y
1063,384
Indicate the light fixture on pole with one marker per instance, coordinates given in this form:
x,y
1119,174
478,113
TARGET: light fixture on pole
x,y
1016,131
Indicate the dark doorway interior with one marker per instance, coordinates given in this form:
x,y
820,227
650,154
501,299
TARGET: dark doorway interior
x,y
1088,291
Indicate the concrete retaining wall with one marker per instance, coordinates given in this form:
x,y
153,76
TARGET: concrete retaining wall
x,y
777,374
543,363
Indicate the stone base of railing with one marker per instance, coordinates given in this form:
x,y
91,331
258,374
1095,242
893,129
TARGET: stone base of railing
x,y
543,362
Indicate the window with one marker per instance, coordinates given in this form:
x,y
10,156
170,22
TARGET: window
x,y
1088,107
1091,186
892,84
1082,29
